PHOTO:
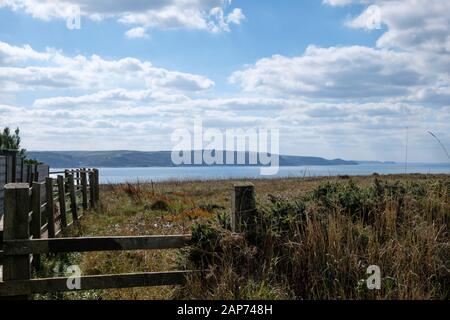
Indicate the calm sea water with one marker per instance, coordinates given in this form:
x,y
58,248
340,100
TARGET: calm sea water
x,y
118,175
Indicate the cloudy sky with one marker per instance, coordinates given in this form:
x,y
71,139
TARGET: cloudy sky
x,y
339,78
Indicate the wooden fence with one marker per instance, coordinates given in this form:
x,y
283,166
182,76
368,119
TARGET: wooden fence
x,y
14,169
50,208
23,229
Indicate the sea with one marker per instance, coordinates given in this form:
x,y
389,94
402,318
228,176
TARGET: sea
x,y
147,174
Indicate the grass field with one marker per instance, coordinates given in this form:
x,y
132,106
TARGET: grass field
x,y
314,239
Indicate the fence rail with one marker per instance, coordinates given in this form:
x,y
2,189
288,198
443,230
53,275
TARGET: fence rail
x,y
86,244
125,280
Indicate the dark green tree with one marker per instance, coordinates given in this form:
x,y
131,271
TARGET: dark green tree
x,y
11,141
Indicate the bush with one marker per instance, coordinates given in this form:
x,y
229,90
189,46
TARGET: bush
x,y
319,246
10,141
160,205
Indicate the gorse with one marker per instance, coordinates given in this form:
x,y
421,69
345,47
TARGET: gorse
x,y
319,246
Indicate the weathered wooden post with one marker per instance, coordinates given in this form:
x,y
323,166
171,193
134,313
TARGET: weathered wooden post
x,y
36,173
50,207
13,165
77,178
30,174
21,170
84,189
92,189
97,186
36,219
62,202
243,215
66,176
73,197
16,226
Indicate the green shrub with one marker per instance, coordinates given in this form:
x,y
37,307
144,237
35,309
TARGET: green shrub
x,y
318,246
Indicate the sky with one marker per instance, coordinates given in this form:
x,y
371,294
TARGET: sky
x,y
351,79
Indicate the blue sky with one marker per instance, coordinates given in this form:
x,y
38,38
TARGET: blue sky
x,y
195,51
334,83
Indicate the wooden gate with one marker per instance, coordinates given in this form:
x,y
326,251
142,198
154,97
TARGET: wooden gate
x,y
23,229
27,235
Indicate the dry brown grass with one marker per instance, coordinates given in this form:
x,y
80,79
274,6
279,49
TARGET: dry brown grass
x,y
324,257
319,246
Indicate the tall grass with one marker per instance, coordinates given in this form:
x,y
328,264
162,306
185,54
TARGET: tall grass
x,y
314,239
319,245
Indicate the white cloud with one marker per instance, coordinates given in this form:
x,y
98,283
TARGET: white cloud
x,y
163,14
413,25
354,72
36,78
420,26
338,2
88,73
324,129
410,63
220,22
137,32
11,55
111,97
236,17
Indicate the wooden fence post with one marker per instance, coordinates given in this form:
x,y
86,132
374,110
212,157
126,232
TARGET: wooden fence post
x,y
243,207
16,226
36,221
97,188
62,202
29,175
84,189
14,167
92,189
73,198
66,176
77,176
21,170
50,207
36,173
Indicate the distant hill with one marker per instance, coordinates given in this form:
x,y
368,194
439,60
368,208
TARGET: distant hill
x,y
69,159
375,162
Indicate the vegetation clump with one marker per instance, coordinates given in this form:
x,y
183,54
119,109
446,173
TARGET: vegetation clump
x,y
319,246
314,238
160,205
11,141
